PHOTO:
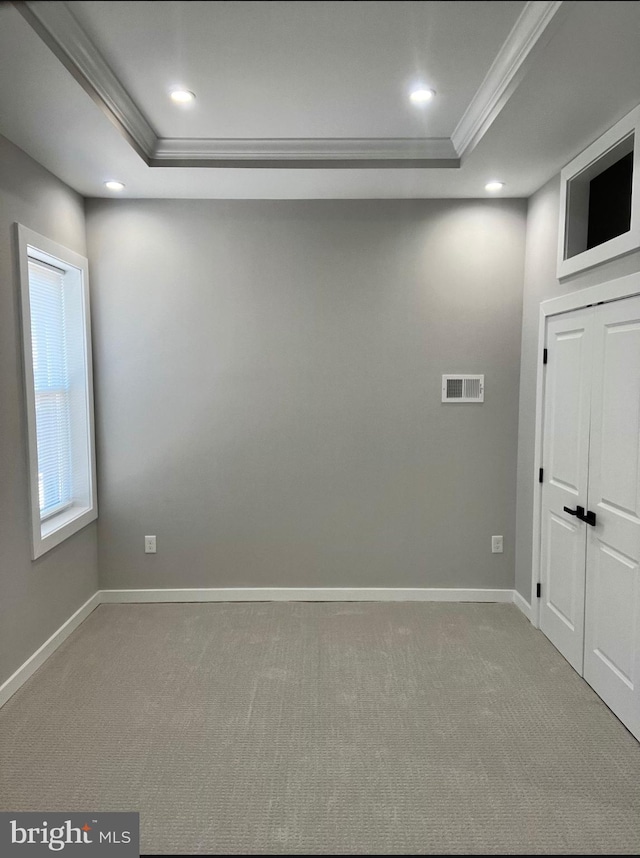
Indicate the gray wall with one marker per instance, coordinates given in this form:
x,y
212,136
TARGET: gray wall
x,y
268,391
540,283
36,597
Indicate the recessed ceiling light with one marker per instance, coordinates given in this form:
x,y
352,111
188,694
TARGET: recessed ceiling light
x,y
422,95
494,186
114,186
182,96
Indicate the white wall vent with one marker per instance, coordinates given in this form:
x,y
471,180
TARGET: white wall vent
x,y
463,388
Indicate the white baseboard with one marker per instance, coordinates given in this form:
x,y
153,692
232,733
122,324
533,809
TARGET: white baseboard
x,y
9,688
252,594
521,603
308,594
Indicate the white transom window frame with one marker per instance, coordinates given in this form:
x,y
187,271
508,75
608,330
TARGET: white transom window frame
x,y
595,157
52,529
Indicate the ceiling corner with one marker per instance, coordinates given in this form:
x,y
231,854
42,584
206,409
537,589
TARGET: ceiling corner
x,y
57,27
535,26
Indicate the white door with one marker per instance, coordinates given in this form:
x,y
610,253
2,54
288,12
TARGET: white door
x,y
612,627
566,467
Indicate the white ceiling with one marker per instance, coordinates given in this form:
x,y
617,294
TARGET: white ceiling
x,y
292,69
328,76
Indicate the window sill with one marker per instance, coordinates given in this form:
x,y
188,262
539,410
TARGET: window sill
x,y
61,526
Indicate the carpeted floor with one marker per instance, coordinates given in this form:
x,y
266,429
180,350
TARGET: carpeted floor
x,y
324,728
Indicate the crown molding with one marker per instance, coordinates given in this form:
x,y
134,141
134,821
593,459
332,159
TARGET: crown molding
x,y
61,32
332,153
532,29
58,28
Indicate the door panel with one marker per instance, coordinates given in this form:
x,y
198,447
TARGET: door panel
x,y
566,463
612,638
565,550
613,591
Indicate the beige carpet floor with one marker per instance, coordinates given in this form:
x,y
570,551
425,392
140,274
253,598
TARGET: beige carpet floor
x,y
324,728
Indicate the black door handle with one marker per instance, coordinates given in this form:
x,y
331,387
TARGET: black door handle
x,y
588,517
578,511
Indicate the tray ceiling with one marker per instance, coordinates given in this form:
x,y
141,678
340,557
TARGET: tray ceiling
x,y
304,99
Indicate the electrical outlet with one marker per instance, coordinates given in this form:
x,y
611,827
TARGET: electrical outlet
x,y
496,545
149,545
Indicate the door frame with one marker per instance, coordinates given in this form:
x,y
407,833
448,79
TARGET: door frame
x,y
611,290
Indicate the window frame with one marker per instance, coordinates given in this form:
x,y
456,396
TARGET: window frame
x,y
591,158
53,529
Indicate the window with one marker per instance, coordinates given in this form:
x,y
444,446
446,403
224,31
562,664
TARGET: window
x,y
600,200
58,389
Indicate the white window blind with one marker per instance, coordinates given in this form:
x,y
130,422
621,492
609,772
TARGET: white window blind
x,y
49,331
